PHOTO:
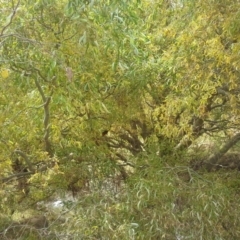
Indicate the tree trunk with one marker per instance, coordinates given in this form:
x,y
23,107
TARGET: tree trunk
x,y
213,159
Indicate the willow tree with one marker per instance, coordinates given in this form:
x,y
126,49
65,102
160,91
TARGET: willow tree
x,y
196,56
98,83
70,73
90,88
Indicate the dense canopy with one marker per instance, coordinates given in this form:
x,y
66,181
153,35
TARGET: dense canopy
x,y
130,106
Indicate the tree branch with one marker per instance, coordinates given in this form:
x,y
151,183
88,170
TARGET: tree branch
x,y
25,157
213,159
40,90
46,100
17,175
22,174
11,18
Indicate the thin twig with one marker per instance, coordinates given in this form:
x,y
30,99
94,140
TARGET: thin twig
x,y
11,18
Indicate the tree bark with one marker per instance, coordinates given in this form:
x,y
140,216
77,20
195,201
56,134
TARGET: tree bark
x,y
213,159
46,121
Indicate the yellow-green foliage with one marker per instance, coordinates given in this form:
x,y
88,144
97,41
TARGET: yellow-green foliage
x,y
89,88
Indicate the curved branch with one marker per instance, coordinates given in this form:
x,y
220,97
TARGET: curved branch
x,y
46,120
25,157
20,112
40,90
11,18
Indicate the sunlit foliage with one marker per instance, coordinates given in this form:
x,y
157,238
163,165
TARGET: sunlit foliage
x,y
118,93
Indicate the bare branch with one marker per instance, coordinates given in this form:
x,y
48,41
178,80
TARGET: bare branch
x,y
213,159
47,126
17,175
23,174
17,114
46,120
11,18
25,157
40,90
